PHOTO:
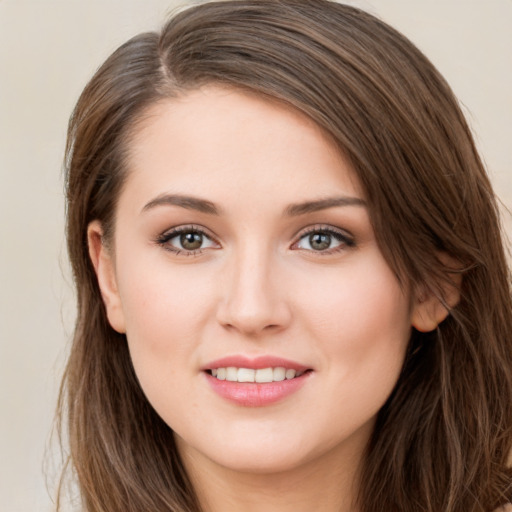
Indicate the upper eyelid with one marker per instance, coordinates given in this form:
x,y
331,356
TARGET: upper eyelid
x,y
322,227
176,230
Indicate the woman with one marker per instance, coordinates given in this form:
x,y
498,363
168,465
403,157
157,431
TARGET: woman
x,y
292,289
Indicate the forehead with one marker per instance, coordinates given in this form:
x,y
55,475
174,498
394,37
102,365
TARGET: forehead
x,y
225,142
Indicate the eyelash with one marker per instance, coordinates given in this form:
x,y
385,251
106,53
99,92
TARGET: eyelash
x,y
345,239
164,239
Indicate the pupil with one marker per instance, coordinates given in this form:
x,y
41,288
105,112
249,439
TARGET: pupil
x,y
320,241
191,241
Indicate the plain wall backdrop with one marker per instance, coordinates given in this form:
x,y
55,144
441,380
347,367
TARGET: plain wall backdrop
x,y
48,50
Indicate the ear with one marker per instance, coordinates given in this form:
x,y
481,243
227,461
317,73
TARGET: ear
x,y
432,305
103,263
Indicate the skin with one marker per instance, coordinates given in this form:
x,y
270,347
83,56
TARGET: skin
x,y
257,287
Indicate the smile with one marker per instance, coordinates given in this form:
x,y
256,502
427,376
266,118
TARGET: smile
x,y
261,375
255,382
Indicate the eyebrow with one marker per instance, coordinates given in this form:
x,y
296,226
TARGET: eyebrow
x,y
205,206
188,202
322,204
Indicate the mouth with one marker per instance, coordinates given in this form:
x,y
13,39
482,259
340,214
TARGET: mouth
x,y
260,375
258,382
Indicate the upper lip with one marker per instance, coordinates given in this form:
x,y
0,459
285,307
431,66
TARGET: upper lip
x,y
239,361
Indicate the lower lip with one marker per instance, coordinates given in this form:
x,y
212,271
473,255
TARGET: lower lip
x,y
250,394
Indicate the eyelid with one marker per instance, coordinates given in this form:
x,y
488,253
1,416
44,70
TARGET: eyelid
x,y
180,228
170,233
347,239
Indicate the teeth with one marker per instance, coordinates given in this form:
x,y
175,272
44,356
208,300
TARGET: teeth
x,y
262,375
290,374
279,374
231,374
246,375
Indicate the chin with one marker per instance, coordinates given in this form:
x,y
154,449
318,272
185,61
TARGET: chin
x,y
256,461
267,453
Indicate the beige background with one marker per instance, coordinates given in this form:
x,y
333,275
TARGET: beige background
x,y
48,49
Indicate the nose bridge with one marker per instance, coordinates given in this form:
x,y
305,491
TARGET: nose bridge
x,y
252,301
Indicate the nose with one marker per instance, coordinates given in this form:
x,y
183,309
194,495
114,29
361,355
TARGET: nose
x,y
253,301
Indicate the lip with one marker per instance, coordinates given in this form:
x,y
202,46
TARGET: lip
x,y
256,363
252,394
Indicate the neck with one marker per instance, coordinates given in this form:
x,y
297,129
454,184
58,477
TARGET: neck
x,y
328,483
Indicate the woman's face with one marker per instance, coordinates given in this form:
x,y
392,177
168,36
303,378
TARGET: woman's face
x,y
243,248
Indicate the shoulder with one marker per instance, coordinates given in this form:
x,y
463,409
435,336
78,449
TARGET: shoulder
x,y
505,508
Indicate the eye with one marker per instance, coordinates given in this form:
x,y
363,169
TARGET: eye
x,y
188,240
324,240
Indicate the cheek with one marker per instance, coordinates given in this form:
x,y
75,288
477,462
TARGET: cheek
x,y
360,299
165,310
361,318
361,322
165,316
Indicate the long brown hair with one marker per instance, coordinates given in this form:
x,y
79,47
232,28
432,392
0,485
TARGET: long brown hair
x,y
442,439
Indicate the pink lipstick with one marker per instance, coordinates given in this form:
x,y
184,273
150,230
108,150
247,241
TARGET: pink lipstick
x,y
255,382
